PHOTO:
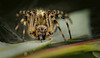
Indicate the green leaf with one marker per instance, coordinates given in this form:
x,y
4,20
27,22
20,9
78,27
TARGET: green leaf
x,y
96,54
22,48
92,45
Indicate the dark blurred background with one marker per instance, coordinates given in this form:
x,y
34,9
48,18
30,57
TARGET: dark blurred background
x,y
9,8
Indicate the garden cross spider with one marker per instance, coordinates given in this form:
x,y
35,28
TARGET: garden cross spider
x,y
41,23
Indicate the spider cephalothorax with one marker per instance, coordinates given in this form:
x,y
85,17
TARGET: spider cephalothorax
x,y
41,31
41,23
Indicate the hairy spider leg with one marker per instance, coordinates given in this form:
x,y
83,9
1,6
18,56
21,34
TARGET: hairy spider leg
x,y
21,12
64,16
24,22
24,29
60,14
57,25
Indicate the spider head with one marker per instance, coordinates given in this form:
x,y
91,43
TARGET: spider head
x,y
41,31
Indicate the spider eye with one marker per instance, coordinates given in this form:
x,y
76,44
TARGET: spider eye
x,y
41,28
37,24
51,16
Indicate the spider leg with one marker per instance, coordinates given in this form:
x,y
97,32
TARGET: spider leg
x,y
68,28
17,27
24,30
27,19
30,18
20,13
33,22
55,29
17,17
63,16
40,37
49,35
24,21
49,24
56,23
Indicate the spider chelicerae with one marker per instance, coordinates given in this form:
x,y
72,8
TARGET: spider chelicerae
x,y
41,23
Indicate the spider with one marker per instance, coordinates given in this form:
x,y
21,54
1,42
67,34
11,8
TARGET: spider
x,y
41,23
